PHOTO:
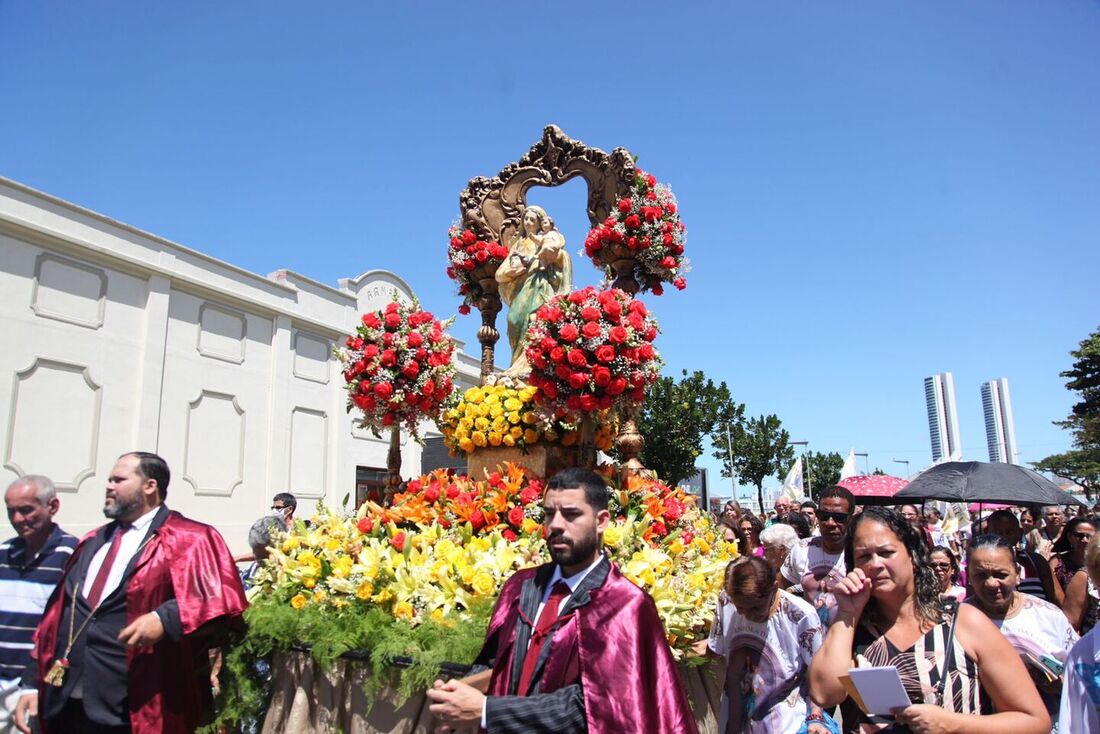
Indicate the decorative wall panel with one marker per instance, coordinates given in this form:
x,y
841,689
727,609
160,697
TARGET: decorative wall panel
x,y
308,453
53,427
213,460
68,291
311,357
221,333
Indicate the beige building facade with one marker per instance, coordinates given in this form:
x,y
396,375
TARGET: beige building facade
x,y
116,339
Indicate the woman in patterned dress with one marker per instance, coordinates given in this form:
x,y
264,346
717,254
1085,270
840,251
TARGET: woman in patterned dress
x,y
768,637
889,613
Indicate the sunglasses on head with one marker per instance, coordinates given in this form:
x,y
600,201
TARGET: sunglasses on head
x,y
838,517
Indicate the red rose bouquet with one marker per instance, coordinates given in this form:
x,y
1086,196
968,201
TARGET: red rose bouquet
x,y
472,260
591,350
398,368
644,227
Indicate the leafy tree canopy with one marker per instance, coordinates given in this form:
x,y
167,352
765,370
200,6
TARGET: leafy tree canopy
x,y
761,449
1084,379
677,416
1082,464
1078,465
823,470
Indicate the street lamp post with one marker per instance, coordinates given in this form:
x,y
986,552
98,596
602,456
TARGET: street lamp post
x,y
906,462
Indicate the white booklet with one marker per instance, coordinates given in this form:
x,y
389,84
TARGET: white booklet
x,y
880,689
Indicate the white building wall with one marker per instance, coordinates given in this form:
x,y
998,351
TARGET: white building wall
x,y
117,340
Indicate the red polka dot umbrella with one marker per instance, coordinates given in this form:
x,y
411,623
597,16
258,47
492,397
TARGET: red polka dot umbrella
x,y
873,489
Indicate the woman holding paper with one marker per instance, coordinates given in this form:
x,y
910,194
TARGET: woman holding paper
x,y
1037,629
890,615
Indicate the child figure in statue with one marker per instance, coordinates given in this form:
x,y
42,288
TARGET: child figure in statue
x,y
537,269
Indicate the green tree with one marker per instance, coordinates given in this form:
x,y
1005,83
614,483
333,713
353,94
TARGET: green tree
x,y
675,419
1078,465
1084,379
761,449
823,470
1082,463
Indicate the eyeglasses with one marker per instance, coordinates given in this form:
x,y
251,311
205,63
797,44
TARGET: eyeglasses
x,y
838,517
940,565
1083,536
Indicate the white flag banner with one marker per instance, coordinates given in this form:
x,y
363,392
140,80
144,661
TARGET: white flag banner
x,y
849,468
792,485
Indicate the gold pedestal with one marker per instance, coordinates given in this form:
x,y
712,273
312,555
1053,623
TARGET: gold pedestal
x,y
543,461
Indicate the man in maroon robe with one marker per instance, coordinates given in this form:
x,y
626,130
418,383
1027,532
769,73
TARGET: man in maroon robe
x,y
123,643
574,646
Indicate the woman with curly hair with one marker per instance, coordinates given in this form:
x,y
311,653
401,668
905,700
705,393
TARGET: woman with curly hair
x,y
889,613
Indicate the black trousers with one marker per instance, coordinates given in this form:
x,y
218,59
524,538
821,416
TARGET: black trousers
x,y
73,720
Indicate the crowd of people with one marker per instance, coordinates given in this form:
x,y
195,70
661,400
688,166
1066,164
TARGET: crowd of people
x,y
990,626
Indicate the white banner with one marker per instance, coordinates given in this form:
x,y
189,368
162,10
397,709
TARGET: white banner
x,y
792,485
849,468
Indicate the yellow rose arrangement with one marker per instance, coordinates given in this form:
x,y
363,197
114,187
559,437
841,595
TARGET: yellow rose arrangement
x,y
506,415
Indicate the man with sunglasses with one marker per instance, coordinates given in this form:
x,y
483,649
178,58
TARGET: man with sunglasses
x,y
817,563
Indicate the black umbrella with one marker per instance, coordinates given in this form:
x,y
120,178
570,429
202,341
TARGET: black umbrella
x,y
982,481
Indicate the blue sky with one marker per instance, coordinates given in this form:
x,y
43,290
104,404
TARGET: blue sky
x,y
873,191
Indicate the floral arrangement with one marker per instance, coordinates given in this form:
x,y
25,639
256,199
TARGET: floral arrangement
x,y
591,350
501,415
505,502
449,543
471,261
397,366
645,227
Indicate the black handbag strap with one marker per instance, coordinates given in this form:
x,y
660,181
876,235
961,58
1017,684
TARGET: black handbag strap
x,y
951,606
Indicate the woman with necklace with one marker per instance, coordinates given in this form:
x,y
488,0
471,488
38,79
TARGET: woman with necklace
x,y
889,613
1037,629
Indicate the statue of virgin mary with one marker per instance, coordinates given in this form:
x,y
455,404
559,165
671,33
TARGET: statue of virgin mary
x,y
537,269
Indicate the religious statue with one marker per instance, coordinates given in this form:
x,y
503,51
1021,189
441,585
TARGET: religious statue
x,y
537,269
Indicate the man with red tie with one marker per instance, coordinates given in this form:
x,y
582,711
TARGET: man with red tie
x,y
123,642
573,645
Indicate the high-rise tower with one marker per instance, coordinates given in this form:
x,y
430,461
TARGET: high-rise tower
x,y
1000,429
943,420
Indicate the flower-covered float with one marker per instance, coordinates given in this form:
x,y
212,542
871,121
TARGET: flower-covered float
x,y
413,583
405,587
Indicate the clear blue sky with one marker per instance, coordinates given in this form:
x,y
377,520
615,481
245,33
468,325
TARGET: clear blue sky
x,y
873,191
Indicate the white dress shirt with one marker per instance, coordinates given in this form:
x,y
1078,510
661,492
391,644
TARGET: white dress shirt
x,y
572,582
128,547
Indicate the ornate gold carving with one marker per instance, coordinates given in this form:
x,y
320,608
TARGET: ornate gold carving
x,y
493,208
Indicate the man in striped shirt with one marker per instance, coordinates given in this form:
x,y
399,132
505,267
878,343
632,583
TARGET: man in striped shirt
x,y
31,565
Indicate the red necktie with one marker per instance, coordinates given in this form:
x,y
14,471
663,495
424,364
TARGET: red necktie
x,y
105,569
545,625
